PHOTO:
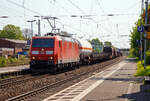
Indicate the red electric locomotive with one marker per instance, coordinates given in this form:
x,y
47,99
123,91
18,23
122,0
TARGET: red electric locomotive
x,y
49,53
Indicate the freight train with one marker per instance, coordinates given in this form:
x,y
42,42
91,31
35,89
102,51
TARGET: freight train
x,y
55,52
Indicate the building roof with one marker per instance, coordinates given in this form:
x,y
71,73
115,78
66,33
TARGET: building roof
x,y
15,41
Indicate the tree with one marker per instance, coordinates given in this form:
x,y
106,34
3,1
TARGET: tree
x,y
135,36
107,43
97,45
11,32
96,41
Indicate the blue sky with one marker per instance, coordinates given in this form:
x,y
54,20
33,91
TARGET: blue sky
x,y
98,25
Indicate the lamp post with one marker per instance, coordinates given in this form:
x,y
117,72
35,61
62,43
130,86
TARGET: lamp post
x,y
141,33
39,25
145,35
110,15
31,21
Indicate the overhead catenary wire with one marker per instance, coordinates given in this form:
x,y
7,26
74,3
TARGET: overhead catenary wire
x,y
15,11
12,2
57,6
82,11
33,12
71,14
85,14
91,8
24,7
72,27
66,10
126,14
101,8
21,6
69,11
2,23
133,5
17,16
76,7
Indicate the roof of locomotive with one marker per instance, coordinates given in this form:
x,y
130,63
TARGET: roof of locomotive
x,y
68,39
45,37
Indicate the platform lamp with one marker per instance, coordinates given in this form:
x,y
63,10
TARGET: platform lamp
x,y
39,24
31,21
3,16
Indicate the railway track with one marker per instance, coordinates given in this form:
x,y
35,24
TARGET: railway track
x,y
9,80
42,89
18,80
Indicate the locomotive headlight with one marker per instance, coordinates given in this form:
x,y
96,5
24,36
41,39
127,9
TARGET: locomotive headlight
x,y
50,58
33,58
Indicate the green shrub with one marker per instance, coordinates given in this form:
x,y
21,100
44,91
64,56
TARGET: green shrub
x,y
3,62
12,60
131,54
96,50
141,71
21,57
137,58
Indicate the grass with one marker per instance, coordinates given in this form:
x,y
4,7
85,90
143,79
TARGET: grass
x,y
141,71
131,56
19,62
13,61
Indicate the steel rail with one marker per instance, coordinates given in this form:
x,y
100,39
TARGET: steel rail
x,y
45,88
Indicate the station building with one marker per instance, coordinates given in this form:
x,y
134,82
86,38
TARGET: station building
x,y
11,46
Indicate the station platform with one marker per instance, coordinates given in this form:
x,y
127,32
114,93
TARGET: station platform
x,y
4,70
116,83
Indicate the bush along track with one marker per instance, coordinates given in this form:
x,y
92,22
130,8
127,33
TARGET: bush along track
x,y
22,60
141,71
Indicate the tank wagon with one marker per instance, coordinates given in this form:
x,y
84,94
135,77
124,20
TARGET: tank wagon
x,y
52,53
85,51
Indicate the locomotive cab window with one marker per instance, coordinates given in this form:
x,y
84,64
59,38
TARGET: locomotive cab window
x,y
43,43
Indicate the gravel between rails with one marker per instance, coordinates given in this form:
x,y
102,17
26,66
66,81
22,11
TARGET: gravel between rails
x,y
30,85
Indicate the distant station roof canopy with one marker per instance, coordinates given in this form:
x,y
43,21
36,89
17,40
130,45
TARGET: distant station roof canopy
x,y
16,41
11,43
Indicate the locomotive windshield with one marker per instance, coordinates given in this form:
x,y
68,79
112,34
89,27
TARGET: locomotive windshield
x,y
43,43
107,49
